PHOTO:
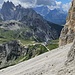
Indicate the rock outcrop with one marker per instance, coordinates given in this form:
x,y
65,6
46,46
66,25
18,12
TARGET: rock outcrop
x,y
68,32
71,54
59,17
69,67
68,36
10,51
13,52
46,64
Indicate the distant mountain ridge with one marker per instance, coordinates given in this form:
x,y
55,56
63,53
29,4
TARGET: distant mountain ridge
x,y
11,12
57,16
34,26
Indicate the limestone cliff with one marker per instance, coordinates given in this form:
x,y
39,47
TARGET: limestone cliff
x,y
68,32
68,36
69,67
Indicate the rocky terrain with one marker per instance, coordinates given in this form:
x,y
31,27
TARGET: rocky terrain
x,y
69,67
60,61
49,63
11,25
9,52
28,24
68,32
68,36
48,14
14,52
32,31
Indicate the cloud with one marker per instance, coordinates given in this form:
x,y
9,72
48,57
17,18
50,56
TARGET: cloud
x,y
28,1
14,1
32,3
46,2
52,4
58,3
66,6
56,6
39,2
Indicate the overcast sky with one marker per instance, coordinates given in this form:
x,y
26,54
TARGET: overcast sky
x,y
65,4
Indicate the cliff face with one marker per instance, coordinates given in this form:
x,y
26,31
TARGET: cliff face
x,y
68,32
69,67
68,36
14,52
10,51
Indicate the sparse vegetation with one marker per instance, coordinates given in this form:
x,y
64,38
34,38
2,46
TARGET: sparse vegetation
x,y
52,46
34,48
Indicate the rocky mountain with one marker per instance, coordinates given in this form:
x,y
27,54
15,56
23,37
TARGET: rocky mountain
x,y
41,27
68,36
11,12
9,52
69,68
14,52
57,16
33,25
50,63
7,10
68,32
44,64
60,61
42,10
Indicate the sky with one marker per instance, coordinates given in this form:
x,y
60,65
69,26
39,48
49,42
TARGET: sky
x,y
65,4
64,1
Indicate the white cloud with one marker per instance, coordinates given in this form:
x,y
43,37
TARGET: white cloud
x,y
66,6
14,1
58,3
28,3
33,3
24,3
52,4
39,2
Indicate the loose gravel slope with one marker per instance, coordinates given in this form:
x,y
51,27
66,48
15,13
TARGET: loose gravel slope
x,y
46,64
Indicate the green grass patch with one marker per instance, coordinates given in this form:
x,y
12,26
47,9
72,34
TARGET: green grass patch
x,y
52,46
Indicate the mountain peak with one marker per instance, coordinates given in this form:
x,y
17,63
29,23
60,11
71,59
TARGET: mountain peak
x,y
18,6
8,4
57,15
7,9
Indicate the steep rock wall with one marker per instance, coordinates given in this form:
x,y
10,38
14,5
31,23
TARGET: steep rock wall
x,y
68,32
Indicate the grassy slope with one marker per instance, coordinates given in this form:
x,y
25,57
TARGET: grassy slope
x,y
33,50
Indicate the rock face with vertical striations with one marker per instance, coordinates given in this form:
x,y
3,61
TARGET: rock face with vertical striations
x,y
10,51
68,32
69,67
14,52
68,36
